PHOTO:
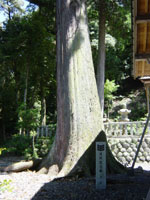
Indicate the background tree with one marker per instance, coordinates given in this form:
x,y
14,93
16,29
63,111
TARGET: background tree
x,y
101,52
28,57
11,7
106,27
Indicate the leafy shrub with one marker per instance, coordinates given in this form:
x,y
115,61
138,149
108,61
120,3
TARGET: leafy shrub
x,y
1,150
43,145
52,128
21,145
16,145
5,186
29,118
109,88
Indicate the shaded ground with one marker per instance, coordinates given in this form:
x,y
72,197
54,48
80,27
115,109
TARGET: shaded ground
x,y
84,189
29,185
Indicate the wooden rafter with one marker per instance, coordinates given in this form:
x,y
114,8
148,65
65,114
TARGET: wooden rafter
x,y
141,56
146,6
142,18
145,37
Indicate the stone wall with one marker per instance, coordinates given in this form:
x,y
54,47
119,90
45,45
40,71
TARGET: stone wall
x,y
124,149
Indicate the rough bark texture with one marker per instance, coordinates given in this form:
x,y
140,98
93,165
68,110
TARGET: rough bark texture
x,y
101,54
79,119
43,109
26,86
43,112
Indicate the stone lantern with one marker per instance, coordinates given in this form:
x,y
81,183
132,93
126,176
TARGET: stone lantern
x,y
124,113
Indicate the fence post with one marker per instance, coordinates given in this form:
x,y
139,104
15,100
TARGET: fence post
x,y
46,131
42,131
38,132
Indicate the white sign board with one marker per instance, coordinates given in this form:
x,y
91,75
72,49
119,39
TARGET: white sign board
x,y
100,165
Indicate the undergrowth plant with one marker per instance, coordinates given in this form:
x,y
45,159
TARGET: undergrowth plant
x,y
1,150
5,185
20,145
109,88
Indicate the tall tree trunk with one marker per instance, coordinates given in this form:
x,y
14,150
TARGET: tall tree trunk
x,y
25,96
43,105
101,54
43,111
4,131
78,110
79,119
26,86
9,11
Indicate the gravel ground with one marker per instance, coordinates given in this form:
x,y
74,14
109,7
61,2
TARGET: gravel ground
x,y
29,185
23,185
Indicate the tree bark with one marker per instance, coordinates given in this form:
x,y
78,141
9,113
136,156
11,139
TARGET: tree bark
x,y
21,166
4,131
101,54
79,119
43,107
43,112
26,86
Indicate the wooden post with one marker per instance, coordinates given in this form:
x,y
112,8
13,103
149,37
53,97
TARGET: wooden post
x,y
147,88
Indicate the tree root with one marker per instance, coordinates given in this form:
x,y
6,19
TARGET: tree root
x,y
21,166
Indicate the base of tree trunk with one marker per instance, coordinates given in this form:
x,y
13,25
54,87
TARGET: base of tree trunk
x,y
86,165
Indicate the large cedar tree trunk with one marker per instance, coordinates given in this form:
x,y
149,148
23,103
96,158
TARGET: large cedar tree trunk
x,y
79,119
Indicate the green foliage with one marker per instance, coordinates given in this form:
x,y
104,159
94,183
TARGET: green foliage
x,y
43,145
1,150
53,128
5,186
138,111
109,88
29,119
16,145
118,37
21,145
27,44
41,148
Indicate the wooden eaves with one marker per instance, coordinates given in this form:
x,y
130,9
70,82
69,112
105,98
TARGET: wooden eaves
x,y
141,38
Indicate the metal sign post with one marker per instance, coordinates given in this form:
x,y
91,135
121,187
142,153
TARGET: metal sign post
x,y
100,165
141,140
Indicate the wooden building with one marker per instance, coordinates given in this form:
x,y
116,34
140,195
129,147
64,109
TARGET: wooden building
x,y
141,43
141,38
